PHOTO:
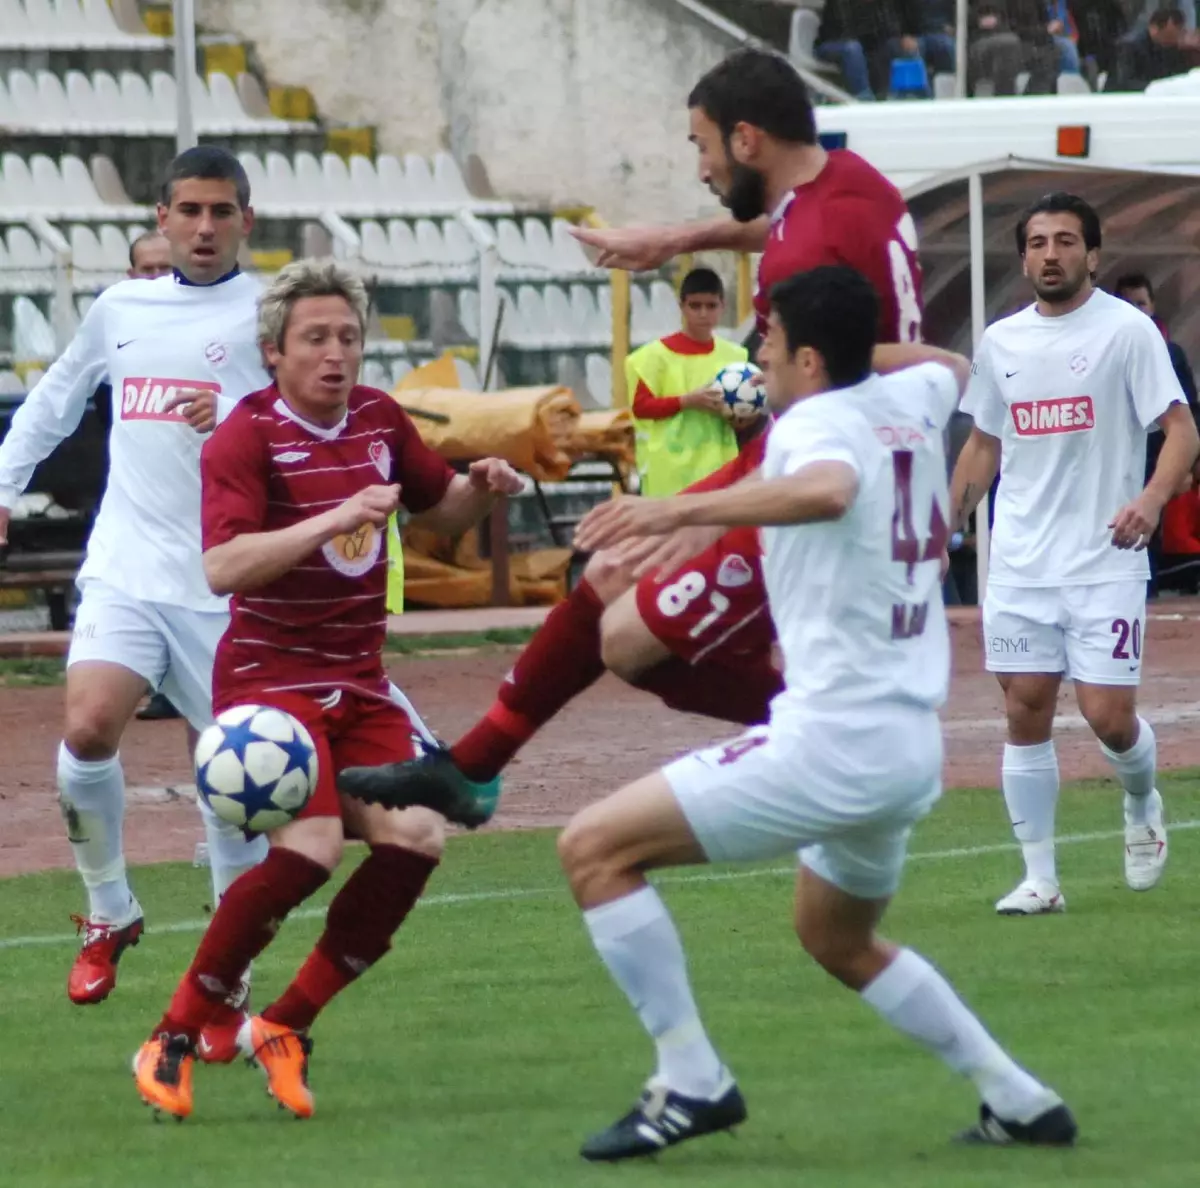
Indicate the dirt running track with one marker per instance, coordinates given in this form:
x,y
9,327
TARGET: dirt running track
x,y
606,737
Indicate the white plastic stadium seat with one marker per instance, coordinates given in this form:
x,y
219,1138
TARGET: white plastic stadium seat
x,y
48,188
664,309
511,244
405,253
375,375
364,181
599,380
585,318
78,188
99,22
430,246
25,253
227,108
8,111
136,100
944,85
114,248
460,247
400,370
43,24
1073,84
22,93
14,24
106,95
33,376
83,303
107,181
559,320
569,255
338,190
448,179
468,378
468,312
802,36
256,174
32,336
281,182
54,111
85,249
419,179
538,245
310,181
393,184
69,21
376,248
11,384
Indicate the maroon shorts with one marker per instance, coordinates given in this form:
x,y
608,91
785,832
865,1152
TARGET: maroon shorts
x,y
713,605
354,731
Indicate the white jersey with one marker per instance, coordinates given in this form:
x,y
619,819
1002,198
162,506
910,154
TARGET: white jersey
x,y
148,338
857,602
1071,399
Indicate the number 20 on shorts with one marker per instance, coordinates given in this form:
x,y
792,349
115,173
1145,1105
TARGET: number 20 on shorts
x,y
675,599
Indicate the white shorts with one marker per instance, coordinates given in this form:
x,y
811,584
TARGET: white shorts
x,y
171,647
845,793
1093,634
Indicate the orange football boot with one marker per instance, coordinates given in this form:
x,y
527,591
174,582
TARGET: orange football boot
x,y
283,1055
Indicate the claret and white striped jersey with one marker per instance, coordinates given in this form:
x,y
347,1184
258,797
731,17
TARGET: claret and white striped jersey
x,y
321,626
148,338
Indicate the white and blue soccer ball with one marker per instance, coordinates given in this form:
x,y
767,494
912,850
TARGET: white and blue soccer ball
x,y
256,767
744,390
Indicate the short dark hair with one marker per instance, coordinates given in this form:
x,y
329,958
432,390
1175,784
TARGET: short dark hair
x,y
759,88
1060,202
208,163
145,237
834,310
1167,16
1134,280
701,280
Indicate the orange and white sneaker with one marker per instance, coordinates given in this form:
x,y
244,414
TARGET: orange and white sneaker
x,y
218,1042
162,1071
283,1055
93,977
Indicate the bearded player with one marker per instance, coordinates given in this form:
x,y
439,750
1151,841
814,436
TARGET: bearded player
x,y
686,618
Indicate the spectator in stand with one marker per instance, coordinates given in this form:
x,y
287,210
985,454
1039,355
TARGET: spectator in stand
x,y
932,39
1165,48
1062,28
1007,37
1101,25
149,256
1174,536
1150,7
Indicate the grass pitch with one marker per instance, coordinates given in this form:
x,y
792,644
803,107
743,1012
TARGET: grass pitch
x,y
491,1041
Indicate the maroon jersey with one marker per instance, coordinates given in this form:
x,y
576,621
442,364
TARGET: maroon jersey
x,y
321,626
848,214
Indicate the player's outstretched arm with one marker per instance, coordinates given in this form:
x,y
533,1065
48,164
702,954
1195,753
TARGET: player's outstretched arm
x,y
974,472
470,496
638,249
898,356
822,490
52,411
253,559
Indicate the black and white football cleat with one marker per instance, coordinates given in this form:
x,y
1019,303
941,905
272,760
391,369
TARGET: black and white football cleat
x,y
1055,1127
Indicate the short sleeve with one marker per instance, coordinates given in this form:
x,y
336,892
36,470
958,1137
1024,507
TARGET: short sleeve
x,y
982,399
807,436
940,386
1150,376
233,480
422,473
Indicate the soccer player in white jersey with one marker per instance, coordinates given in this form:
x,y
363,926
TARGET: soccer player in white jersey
x,y
853,506
179,352
1063,394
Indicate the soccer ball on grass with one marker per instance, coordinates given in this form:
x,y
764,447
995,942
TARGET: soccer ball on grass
x,y
256,767
742,387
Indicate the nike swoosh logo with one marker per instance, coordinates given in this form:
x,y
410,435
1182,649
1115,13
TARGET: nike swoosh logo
x,y
204,1045
89,986
1010,374
122,345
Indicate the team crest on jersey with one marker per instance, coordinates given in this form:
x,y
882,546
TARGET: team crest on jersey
x,y
735,571
1078,363
144,398
216,353
381,456
353,554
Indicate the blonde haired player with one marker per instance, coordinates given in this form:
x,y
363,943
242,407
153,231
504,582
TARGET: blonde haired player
x,y
853,508
1063,394
179,351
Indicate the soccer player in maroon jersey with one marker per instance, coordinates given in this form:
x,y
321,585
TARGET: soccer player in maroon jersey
x,y
690,622
298,485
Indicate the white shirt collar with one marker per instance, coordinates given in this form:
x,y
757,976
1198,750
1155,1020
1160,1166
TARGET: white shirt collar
x,y
325,432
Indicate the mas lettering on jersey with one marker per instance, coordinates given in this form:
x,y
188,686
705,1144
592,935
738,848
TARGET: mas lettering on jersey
x,y
1067,414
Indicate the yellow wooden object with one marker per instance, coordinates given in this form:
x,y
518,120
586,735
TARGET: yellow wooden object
x,y
620,284
159,21
348,141
271,259
745,288
224,59
292,103
398,326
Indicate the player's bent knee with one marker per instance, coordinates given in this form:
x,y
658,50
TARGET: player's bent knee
x,y
627,648
418,829
585,848
91,735
319,839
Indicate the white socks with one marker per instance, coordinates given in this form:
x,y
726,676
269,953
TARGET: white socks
x,y
637,940
230,855
916,1000
92,797
1030,779
1135,769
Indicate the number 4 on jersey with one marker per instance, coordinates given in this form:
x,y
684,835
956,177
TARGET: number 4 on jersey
x,y
907,546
